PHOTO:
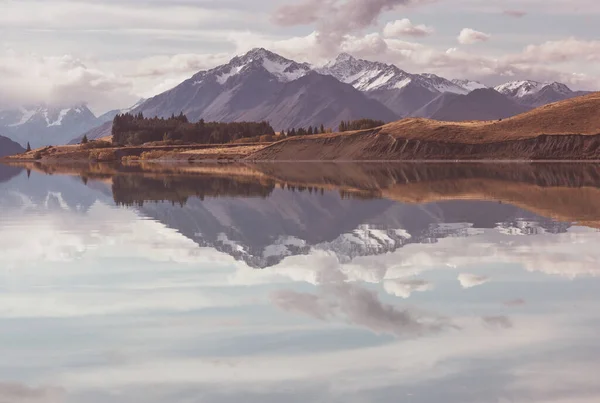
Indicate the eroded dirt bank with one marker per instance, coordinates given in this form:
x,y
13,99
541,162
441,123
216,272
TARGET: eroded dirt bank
x,y
376,146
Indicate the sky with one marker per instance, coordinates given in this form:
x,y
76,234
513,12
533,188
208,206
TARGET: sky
x,y
110,53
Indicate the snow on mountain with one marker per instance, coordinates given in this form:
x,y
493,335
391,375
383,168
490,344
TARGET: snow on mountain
x,y
469,85
43,125
520,89
284,70
535,94
367,76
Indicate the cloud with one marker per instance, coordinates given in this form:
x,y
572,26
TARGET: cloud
x,y
469,36
497,322
515,13
405,27
560,51
18,393
515,302
63,80
472,280
404,288
362,307
335,20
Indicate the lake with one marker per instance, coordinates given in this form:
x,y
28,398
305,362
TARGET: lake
x,y
315,282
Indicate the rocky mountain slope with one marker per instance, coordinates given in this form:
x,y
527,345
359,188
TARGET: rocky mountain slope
x,y
402,92
480,104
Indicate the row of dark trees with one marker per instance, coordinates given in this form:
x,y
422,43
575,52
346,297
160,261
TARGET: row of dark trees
x,y
304,131
135,129
129,129
345,126
361,124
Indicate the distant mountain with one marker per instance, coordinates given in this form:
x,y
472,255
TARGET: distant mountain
x,y
534,93
440,102
481,104
9,147
105,129
44,125
262,85
402,92
469,84
105,124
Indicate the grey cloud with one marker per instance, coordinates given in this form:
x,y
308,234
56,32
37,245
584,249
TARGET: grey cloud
x,y
334,20
362,307
498,322
514,13
515,302
18,393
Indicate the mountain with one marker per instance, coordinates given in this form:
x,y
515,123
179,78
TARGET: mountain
x,y
262,85
534,93
402,92
440,102
9,147
105,124
469,84
45,125
481,104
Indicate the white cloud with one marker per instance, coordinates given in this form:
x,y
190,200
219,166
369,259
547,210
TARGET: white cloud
x,y
64,80
468,280
403,288
405,27
469,36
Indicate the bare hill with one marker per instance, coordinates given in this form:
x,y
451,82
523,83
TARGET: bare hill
x,y
564,130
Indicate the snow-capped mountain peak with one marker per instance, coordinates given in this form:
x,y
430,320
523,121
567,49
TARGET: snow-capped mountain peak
x,y
520,89
284,70
45,125
469,85
365,75
441,84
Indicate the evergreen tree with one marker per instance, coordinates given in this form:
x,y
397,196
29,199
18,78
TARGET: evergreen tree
x,y
310,131
28,147
322,129
342,127
84,140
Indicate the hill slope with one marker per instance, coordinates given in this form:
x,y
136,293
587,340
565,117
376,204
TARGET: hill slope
x,y
9,147
565,130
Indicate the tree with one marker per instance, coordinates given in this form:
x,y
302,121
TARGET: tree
x,y
28,147
310,131
84,140
322,128
342,127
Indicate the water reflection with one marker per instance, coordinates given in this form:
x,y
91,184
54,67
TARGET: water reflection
x,y
287,282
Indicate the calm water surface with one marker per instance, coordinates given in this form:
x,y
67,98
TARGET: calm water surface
x,y
300,283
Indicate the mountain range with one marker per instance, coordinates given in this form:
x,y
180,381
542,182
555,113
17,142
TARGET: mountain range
x,y
262,85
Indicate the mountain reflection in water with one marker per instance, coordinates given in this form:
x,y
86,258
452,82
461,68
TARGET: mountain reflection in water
x,y
377,282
